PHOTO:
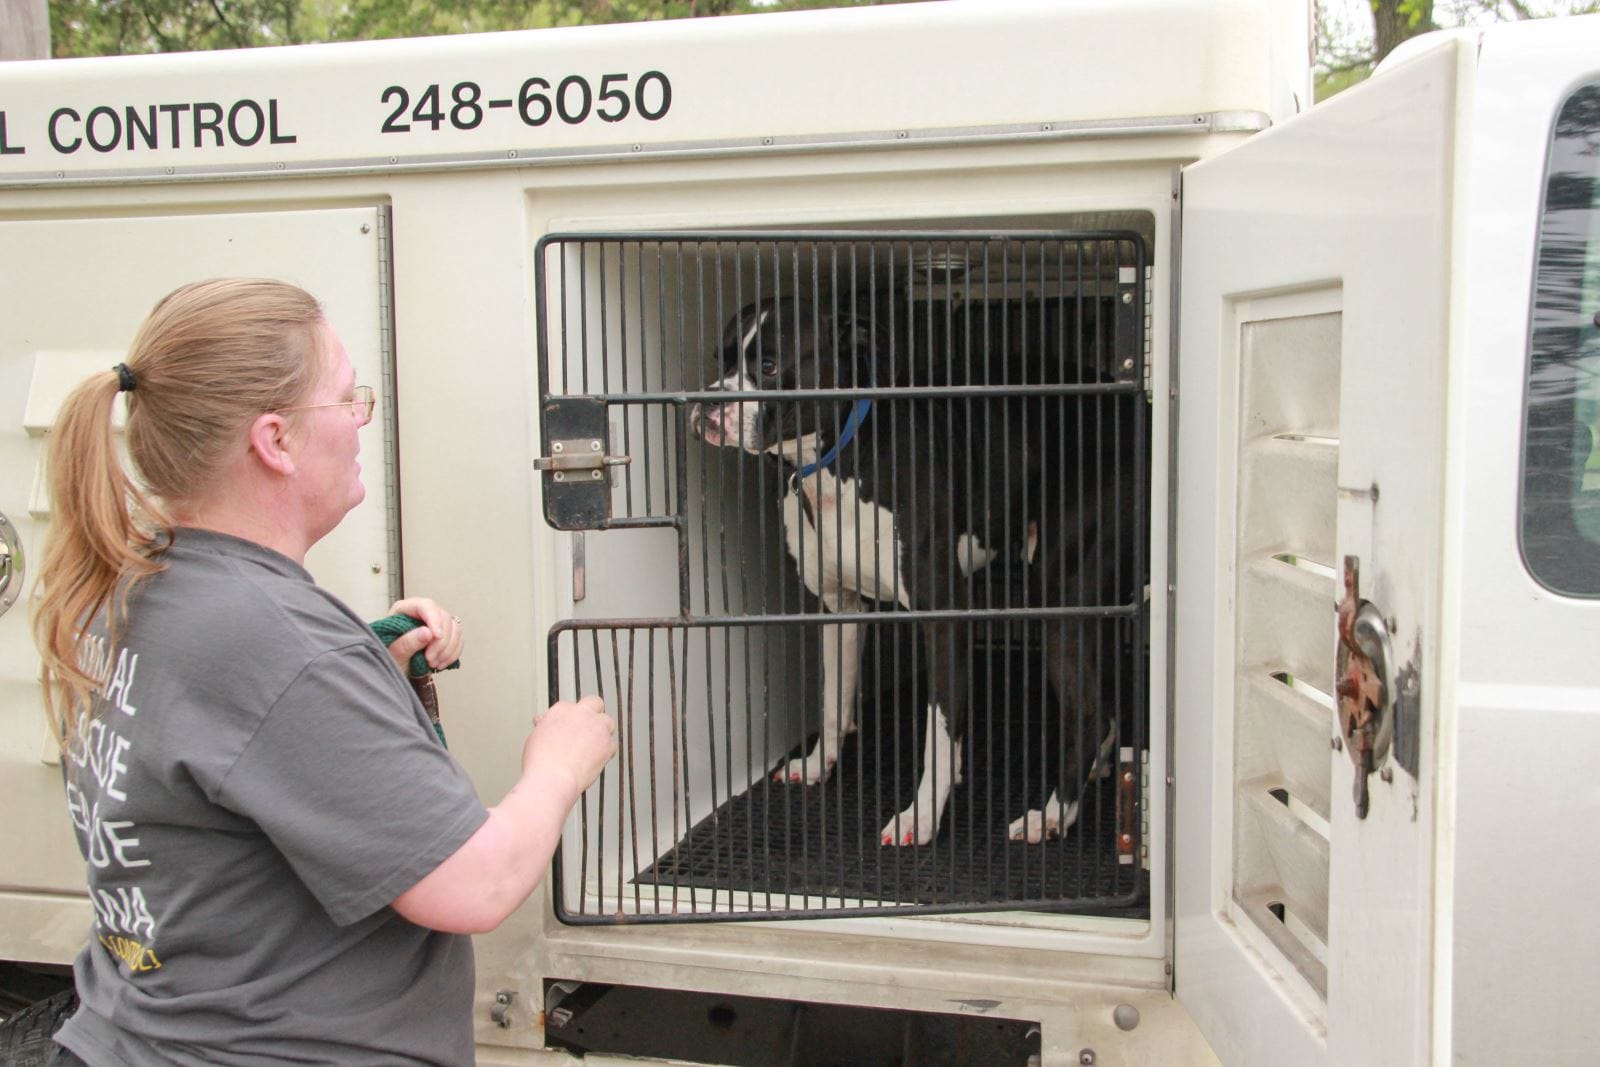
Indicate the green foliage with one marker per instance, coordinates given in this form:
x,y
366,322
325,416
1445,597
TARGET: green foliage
x,y
1416,15
1329,82
359,20
116,27
122,27
119,27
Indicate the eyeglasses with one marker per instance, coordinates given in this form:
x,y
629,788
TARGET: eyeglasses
x,y
361,403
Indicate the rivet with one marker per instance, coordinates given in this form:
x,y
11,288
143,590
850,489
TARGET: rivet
x,y
594,446
376,569
560,477
365,228
1086,1057
511,154
558,447
1127,298
594,476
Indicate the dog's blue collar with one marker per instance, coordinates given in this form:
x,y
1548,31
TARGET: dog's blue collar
x,y
857,415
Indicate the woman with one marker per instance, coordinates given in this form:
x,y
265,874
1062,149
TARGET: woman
x,y
281,855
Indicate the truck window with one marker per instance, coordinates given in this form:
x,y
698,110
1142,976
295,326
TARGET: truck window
x,y
1560,458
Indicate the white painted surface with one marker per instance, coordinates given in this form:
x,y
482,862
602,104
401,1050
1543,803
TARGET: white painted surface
x,y
464,329
1520,854
917,69
81,316
1293,210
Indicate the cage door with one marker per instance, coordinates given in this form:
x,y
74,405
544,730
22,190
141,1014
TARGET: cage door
x,y
868,596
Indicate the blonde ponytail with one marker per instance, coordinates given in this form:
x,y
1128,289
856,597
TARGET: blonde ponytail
x,y
209,359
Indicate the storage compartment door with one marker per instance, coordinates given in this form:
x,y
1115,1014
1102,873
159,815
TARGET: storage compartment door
x,y
1312,371
75,291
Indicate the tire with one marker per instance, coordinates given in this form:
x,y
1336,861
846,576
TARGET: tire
x,y
25,1038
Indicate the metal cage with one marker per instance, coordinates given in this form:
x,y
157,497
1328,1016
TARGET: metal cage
x,y
891,481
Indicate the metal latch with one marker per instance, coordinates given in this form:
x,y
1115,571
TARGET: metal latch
x,y
12,565
1363,686
500,1012
571,459
577,482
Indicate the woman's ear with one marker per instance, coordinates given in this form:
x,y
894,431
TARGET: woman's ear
x,y
269,443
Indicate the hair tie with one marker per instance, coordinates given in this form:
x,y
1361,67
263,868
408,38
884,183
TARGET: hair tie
x,y
125,382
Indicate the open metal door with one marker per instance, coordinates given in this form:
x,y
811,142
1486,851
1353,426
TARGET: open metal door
x,y
1314,333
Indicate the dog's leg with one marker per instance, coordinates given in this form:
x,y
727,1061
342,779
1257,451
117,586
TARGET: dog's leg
x,y
1072,678
1058,816
841,669
1036,826
950,652
941,767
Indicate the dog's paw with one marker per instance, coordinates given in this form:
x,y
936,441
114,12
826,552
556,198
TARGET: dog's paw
x,y
905,830
1037,826
809,771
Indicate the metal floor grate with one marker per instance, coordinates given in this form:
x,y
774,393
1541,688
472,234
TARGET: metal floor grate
x,y
787,845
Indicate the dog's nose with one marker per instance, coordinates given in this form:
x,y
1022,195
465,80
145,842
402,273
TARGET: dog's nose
x,y
705,422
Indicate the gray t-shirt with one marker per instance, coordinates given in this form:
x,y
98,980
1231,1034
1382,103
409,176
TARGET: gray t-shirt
x,y
256,784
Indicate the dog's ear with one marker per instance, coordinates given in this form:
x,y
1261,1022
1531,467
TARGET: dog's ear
x,y
863,344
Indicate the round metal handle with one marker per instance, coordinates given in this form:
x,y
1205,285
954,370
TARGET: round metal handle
x,y
12,565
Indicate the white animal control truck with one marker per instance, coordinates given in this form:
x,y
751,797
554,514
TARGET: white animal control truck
x,y
1330,732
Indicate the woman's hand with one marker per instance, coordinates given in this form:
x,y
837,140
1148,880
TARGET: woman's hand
x,y
439,638
572,741
488,877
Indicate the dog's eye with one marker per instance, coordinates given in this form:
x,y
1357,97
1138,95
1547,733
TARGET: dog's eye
x,y
769,367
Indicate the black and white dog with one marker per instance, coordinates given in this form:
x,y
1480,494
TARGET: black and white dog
x,y
902,500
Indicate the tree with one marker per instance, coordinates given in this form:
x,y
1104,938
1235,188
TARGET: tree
x,y
1353,36
1394,21
122,27
24,29
119,27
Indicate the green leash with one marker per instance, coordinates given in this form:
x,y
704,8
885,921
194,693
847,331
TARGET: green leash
x,y
420,674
